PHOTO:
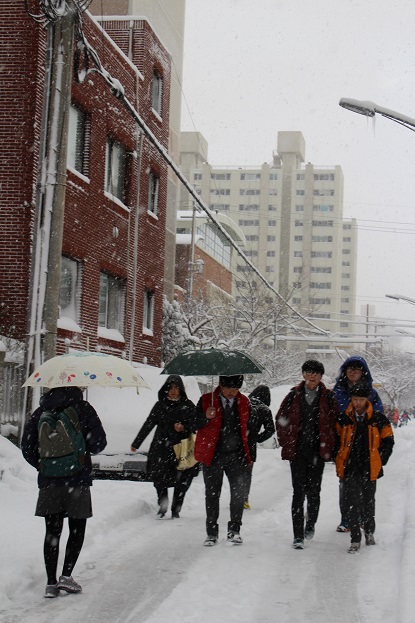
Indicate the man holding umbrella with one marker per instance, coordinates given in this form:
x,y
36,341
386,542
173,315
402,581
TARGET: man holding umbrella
x,y
222,448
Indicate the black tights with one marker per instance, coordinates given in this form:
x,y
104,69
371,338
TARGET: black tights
x,y
54,525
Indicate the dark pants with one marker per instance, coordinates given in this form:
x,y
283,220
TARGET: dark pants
x,y
54,526
249,482
183,482
237,472
306,476
359,500
343,508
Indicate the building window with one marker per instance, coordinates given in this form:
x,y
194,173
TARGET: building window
x,y
219,176
272,223
321,254
322,223
252,223
270,253
250,176
322,238
148,316
321,269
111,302
153,193
271,238
298,254
115,169
157,92
252,238
78,140
298,238
70,289
346,251
322,285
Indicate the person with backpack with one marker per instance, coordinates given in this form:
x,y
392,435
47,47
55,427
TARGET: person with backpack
x,y
58,440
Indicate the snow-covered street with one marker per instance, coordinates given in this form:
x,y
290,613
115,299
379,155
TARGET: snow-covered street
x,y
134,568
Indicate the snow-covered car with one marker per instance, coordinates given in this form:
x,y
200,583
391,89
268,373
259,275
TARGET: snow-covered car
x,y
122,413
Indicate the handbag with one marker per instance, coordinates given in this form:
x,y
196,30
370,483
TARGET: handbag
x,y
185,452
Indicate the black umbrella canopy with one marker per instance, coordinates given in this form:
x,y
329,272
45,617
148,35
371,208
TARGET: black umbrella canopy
x,y
212,362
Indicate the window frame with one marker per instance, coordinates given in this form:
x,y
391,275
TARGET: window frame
x,y
114,302
117,191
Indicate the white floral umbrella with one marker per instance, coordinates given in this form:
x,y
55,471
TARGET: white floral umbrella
x,y
85,369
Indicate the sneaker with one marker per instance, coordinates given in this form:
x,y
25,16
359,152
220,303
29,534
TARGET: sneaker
x,y
342,528
51,591
234,538
354,548
309,531
298,544
160,515
68,584
370,538
246,505
210,540
175,515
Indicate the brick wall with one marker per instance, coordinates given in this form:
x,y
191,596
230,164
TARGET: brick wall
x,y
90,215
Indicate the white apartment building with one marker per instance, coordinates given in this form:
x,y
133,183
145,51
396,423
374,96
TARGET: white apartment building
x,y
291,214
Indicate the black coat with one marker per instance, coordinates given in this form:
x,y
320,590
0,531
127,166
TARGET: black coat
x,y
261,417
91,426
162,462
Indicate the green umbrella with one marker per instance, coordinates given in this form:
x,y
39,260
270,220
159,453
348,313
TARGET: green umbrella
x,y
212,362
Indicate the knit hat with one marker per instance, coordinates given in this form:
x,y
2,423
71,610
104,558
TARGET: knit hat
x,y
234,381
361,390
312,365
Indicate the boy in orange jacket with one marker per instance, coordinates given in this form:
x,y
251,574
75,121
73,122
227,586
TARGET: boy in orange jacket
x,y
366,443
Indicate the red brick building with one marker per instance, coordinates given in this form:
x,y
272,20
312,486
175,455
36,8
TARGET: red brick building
x,y
113,246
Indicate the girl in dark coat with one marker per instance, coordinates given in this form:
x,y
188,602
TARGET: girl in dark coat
x,y
64,496
172,416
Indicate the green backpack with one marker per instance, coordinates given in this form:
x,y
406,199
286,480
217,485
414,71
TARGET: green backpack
x,y
62,445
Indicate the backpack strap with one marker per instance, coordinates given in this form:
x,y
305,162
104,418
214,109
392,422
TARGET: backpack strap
x,y
72,414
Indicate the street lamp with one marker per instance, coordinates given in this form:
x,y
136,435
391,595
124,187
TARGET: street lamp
x,y
369,109
401,297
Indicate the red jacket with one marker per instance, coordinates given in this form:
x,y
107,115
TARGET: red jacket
x,y
288,422
209,430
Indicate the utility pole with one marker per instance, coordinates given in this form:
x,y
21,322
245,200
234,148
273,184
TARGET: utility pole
x,y
56,169
51,186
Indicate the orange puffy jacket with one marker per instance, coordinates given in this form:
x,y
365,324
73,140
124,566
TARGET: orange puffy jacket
x,y
380,437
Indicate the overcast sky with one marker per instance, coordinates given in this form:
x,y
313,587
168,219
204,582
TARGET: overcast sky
x,y
253,69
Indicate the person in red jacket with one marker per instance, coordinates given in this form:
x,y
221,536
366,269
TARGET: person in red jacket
x,y
222,448
306,431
